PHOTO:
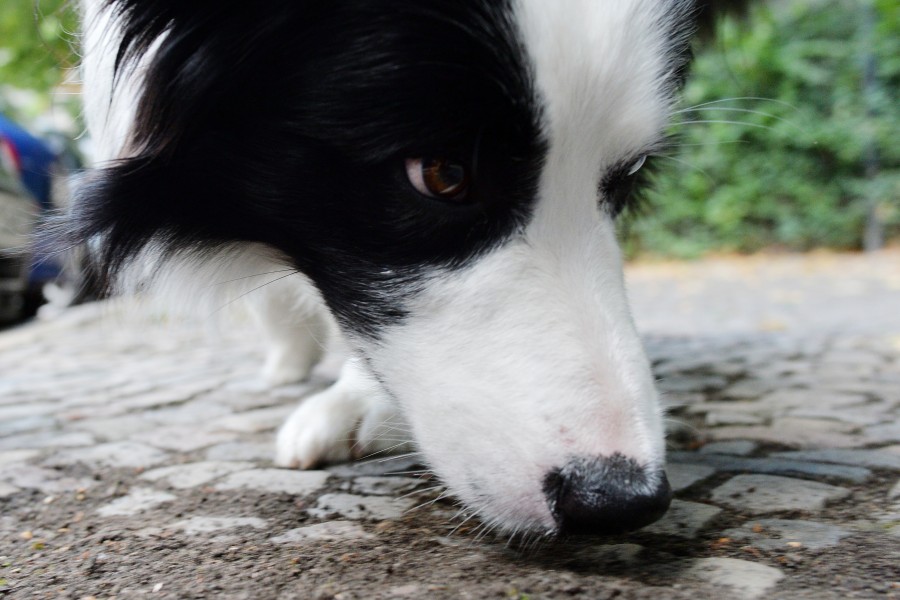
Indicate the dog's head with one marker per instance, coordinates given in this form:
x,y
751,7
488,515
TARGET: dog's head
x,y
447,173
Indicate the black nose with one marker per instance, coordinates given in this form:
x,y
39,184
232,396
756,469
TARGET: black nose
x,y
606,495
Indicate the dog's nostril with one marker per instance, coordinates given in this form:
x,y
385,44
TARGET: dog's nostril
x,y
606,495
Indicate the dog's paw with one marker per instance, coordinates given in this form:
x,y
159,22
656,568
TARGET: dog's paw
x,y
346,421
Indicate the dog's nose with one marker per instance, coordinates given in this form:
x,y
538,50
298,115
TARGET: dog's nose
x,y
606,495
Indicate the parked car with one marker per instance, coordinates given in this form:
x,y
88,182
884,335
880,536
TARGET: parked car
x,y
18,214
35,177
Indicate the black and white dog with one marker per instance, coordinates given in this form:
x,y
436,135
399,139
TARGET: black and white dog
x,y
440,179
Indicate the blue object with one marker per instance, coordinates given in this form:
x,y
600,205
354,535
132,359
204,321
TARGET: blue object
x,y
36,160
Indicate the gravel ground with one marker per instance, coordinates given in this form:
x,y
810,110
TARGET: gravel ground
x,y
135,459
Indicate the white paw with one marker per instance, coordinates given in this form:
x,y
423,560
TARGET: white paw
x,y
351,419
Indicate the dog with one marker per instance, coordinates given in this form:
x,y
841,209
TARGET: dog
x,y
437,182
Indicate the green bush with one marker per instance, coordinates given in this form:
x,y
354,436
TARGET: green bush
x,y
36,39
771,149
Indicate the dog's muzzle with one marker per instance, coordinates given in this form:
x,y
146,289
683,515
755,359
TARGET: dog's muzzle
x,y
605,495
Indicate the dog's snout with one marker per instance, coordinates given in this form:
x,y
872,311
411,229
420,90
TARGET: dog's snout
x,y
605,495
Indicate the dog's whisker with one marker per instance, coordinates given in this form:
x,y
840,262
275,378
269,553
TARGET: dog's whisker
x,y
687,164
420,472
747,111
395,457
466,520
252,276
428,503
422,491
708,143
388,449
259,287
722,122
394,429
739,99
486,532
512,536
385,438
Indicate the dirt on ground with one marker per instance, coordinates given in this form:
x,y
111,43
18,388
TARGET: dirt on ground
x,y
426,554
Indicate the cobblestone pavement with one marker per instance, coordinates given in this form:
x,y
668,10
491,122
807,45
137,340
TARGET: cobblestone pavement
x,y
135,460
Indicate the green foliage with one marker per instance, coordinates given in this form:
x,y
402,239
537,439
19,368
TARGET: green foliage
x,y
780,156
36,42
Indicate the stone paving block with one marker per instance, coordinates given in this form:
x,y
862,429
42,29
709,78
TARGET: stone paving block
x,y
610,553
193,413
735,448
17,456
749,407
684,519
114,454
7,490
869,414
720,417
785,399
679,400
691,383
299,483
46,439
198,525
331,530
240,451
791,436
353,506
826,426
32,409
895,491
760,494
254,421
683,475
783,534
742,579
384,486
748,389
194,474
404,464
114,429
182,438
855,356
152,399
884,433
137,501
48,481
874,459
27,424
772,466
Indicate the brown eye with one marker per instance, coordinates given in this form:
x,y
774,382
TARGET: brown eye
x,y
438,178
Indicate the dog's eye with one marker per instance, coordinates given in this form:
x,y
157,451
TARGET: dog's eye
x,y
617,185
438,178
636,166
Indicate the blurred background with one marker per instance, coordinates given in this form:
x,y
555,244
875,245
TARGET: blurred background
x,y
786,139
